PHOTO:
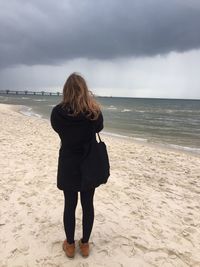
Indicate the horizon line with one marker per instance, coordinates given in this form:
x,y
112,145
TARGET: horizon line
x,y
57,93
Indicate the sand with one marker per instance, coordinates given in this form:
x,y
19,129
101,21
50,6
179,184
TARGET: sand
x,y
148,214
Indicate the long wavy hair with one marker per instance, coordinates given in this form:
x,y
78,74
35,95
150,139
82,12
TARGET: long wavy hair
x,y
78,98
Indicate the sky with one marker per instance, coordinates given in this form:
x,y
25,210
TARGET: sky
x,y
132,48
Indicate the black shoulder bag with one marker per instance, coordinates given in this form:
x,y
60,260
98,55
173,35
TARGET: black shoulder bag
x,y
95,167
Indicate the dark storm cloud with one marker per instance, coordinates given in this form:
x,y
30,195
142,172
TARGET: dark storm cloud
x,y
49,32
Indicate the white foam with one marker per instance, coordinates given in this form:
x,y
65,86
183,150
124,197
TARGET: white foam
x,y
39,100
165,145
186,148
116,135
111,107
28,111
169,111
126,136
140,139
140,111
126,110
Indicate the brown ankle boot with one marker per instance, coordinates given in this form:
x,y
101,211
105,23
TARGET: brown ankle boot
x,y
84,248
69,249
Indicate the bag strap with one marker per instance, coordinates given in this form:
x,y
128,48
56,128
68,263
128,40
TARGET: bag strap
x,y
99,137
97,134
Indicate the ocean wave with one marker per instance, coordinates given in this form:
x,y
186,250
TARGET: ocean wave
x,y
140,111
28,111
111,107
157,143
40,100
126,110
169,111
185,148
23,97
4,100
140,139
125,136
116,135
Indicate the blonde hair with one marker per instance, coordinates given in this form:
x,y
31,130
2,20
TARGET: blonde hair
x,y
77,96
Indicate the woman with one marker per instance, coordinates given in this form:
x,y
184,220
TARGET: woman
x,y
76,120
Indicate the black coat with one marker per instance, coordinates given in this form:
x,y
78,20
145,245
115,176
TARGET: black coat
x,y
74,132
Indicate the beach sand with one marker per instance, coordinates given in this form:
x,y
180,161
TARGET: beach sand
x,y
148,214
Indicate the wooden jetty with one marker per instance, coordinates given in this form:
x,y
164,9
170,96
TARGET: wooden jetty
x,y
26,92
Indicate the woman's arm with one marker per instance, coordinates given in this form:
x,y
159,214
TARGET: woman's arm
x,y
54,119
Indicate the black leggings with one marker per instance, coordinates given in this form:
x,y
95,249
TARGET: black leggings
x,y
69,218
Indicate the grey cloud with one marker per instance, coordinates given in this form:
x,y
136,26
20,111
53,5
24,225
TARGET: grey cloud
x,y
49,32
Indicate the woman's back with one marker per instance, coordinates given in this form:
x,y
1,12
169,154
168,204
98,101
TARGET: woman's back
x,y
74,131
76,120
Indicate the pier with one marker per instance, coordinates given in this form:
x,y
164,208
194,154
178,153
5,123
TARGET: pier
x,y
26,92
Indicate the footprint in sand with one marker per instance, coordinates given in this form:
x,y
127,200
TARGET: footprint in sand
x,y
22,203
56,247
82,264
187,220
104,252
18,228
172,254
126,245
142,247
189,230
100,218
122,239
14,253
23,246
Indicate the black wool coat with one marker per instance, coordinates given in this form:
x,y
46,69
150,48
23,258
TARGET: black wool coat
x,y
74,132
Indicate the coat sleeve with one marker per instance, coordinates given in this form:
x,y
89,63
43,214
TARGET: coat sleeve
x,y
99,123
54,120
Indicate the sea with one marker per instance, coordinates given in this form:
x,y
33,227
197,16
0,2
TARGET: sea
x,y
173,123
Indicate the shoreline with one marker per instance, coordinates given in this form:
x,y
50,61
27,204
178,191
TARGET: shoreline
x,y
170,147
185,147
146,215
